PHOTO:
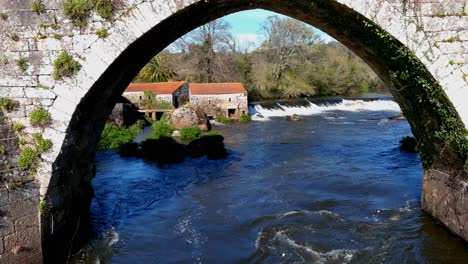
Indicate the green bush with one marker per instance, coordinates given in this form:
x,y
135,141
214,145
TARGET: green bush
x,y
8,104
42,145
37,7
161,129
210,144
78,11
245,118
190,133
39,117
27,159
65,66
223,119
113,137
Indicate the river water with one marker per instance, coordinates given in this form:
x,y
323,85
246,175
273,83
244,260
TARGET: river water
x,y
332,188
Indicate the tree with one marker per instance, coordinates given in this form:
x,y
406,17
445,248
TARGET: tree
x,y
206,47
156,70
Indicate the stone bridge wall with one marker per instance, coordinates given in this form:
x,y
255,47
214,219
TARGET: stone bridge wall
x,y
435,31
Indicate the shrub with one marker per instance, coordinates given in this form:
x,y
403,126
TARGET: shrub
x,y
103,8
22,64
39,117
129,149
27,159
42,145
102,33
65,66
161,129
37,7
190,133
210,144
163,150
245,118
78,11
8,104
113,137
223,119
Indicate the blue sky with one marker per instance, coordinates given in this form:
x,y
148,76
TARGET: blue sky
x,y
246,25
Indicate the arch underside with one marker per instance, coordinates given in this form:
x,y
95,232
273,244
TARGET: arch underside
x,y
433,119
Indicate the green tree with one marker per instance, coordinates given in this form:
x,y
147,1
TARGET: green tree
x,y
156,70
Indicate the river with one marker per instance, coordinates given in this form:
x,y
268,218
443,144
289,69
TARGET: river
x,y
332,188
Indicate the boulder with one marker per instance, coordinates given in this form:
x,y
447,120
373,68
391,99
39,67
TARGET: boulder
x,y
187,117
397,117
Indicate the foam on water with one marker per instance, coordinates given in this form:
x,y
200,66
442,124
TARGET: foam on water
x,y
261,113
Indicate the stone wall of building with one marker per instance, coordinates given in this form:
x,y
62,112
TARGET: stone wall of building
x,y
218,104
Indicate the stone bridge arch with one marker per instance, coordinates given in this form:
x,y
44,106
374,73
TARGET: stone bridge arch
x,y
419,48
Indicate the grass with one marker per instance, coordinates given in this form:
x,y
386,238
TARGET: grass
x,y
245,118
8,104
18,126
223,119
103,8
65,66
42,145
39,117
2,150
22,64
190,133
27,159
38,7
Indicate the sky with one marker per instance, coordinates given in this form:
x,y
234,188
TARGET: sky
x,y
245,26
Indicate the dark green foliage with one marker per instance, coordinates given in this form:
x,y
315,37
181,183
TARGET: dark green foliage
x,y
22,64
409,144
42,145
113,137
65,66
245,118
161,129
223,119
78,11
39,117
163,150
38,7
130,149
8,104
28,158
210,144
190,133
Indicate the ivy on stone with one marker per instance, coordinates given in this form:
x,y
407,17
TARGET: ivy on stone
x,y
65,66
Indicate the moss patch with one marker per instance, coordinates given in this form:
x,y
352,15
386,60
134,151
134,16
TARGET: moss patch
x,y
8,104
38,7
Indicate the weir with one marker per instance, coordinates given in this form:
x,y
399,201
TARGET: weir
x,y
418,48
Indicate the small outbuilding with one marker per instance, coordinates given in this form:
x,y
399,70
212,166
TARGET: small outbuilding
x,y
219,99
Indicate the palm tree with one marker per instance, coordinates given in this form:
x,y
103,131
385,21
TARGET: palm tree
x,y
156,71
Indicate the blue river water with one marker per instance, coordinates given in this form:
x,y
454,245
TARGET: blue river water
x,y
332,188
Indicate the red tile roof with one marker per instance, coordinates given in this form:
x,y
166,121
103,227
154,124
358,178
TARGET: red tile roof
x,y
216,88
157,88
